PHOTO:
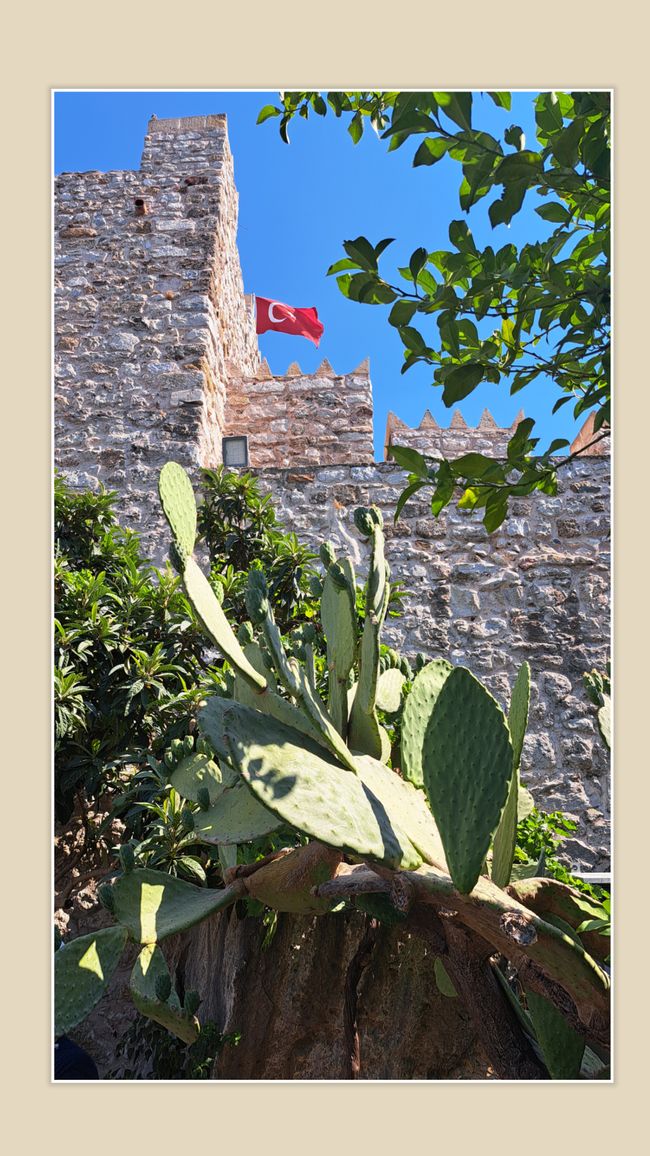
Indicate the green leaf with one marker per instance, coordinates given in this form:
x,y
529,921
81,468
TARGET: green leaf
x,y
344,263
501,99
554,212
496,509
557,444
355,128
515,136
565,145
401,313
457,106
411,122
417,262
361,251
445,986
383,245
432,150
523,166
461,381
472,465
445,485
409,459
502,211
405,495
413,340
268,111
460,235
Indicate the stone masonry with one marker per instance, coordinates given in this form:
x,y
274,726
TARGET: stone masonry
x,y
157,359
304,419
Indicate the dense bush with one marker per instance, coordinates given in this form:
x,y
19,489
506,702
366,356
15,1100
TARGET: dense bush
x,y
240,529
130,663
128,660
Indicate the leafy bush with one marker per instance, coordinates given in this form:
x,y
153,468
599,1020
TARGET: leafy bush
x,y
168,1057
539,836
240,529
129,661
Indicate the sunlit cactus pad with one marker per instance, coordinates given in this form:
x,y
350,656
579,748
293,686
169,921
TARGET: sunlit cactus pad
x,y
417,712
82,972
152,905
179,506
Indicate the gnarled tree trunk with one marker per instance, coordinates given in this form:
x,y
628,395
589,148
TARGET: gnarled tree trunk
x,y
332,997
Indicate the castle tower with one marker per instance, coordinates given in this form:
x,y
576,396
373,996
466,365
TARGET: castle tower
x,y
151,320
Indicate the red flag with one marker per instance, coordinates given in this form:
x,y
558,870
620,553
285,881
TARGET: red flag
x,y
286,319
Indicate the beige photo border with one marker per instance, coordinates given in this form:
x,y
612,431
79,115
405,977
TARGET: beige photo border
x,y
261,45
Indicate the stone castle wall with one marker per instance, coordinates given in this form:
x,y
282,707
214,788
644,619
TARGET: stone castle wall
x,y
150,314
435,441
304,419
157,359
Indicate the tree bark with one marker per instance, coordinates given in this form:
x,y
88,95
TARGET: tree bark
x,y
288,1001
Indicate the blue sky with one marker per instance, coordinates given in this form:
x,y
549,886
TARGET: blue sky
x,y
298,202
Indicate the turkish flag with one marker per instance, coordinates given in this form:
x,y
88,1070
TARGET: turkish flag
x,y
286,319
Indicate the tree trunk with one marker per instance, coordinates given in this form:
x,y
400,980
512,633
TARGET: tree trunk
x,y
332,997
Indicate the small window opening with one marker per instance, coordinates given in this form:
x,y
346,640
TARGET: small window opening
x,y
235,451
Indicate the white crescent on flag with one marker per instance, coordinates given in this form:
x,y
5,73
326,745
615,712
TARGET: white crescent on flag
x,y
286,315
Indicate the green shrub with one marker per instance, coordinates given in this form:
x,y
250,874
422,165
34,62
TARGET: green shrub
x,y
128,661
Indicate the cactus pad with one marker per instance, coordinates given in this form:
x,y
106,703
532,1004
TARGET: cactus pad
x,y
389,690
503,851
416,714
467,767
82,972
195,772
151,904
150,976
236,817
303,784
215,623
562,1047
179,507
339,620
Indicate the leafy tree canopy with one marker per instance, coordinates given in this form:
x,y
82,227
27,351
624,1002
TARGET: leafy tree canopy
x,y
512,314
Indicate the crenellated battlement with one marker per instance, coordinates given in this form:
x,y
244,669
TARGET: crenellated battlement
x,y
458,438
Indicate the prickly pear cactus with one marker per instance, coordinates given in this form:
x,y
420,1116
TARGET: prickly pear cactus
x,y
287,883
154,996
179,507
562,1047
417,711
83,970
503,851
467,765
194,772
374,814
365,733
151,905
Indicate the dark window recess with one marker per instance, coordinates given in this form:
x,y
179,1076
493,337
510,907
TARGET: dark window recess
x,y
235,451
141,206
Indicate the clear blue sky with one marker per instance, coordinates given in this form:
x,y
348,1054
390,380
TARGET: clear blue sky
x,y
299,202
